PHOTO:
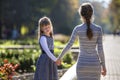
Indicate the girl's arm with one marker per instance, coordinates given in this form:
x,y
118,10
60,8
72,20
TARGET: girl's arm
x,y
70,43
100,48
44,46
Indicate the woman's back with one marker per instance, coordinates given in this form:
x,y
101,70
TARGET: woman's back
x,y
85,43
88,65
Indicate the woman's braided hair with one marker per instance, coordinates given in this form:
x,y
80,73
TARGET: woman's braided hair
x,y
86,12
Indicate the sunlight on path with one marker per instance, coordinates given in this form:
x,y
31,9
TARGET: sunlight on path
x,y
70,74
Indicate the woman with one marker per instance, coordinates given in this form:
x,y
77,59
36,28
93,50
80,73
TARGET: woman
x,y
91,62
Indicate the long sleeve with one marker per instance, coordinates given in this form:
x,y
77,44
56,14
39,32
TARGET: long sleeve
x,y
100,49
70,43
44,45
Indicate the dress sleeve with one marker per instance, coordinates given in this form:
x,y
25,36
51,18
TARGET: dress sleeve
x,y
69,44
100,48
44,45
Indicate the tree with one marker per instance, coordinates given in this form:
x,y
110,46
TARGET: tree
x,y
24,12
115,13
27,13
63,15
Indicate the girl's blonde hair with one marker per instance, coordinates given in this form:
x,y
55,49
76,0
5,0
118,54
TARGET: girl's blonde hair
x,y
44,21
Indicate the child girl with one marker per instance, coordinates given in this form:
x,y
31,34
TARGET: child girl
x,y
46,68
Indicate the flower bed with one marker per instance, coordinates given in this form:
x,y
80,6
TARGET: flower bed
x,y
26,57
7,70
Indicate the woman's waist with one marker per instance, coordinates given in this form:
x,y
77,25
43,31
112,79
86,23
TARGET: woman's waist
x,y
88,50
88,53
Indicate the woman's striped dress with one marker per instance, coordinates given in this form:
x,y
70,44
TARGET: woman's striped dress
x,y
91,56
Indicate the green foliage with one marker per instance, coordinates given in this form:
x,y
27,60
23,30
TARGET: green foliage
x,y
28,12
27,58
20,42
65,65
68,58
115,12
63,15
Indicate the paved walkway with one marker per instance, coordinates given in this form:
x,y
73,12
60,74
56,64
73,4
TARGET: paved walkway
x,y
112,56
111,46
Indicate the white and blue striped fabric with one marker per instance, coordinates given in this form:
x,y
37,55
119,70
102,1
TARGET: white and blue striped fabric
x,y
91,56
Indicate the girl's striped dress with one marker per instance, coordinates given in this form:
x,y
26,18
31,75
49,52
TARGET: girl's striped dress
x,y
91,56
46,69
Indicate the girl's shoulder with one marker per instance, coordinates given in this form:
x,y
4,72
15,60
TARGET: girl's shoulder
x,y
42,38
45,36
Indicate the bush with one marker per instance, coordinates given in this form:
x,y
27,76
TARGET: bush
x,y
27,58
68,58
7,70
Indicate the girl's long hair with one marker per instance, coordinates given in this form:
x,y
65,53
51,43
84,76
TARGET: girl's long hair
x,y
44,21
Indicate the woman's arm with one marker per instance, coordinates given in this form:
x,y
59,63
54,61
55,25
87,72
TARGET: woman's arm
x,y
70,43
100,49
44,46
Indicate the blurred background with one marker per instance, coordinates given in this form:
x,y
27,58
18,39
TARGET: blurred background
x,y
19,23
21,17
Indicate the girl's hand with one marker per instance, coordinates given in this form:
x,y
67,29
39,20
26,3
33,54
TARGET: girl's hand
x,y
58,62
103,71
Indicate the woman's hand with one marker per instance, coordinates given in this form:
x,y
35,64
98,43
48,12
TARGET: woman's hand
x,y
103,71
58,62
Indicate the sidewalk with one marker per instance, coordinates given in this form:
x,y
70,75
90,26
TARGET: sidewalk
x,y
112,57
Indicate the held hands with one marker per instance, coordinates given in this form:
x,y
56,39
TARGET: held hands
x,y
58,62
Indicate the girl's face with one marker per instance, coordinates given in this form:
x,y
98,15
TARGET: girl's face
x,y
46,29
